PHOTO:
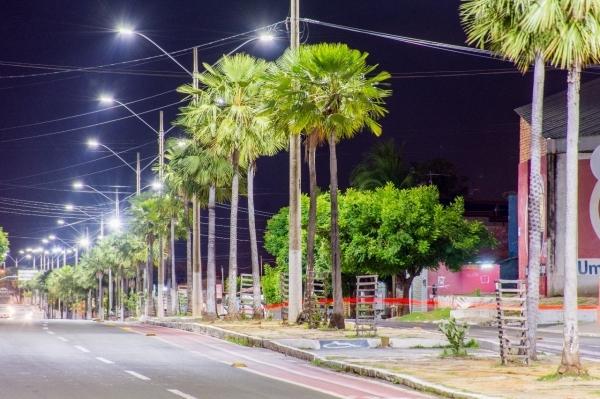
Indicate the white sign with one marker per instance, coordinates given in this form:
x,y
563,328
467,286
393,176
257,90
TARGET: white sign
x,y
26,275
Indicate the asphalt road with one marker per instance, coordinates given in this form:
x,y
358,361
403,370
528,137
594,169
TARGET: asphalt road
x,y
66,359
589,347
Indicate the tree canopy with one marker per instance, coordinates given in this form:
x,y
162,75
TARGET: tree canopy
x,y
4,244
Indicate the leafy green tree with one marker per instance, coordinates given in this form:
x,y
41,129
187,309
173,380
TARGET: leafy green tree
x,y
342,96
63,288
382,164
392,231
4,245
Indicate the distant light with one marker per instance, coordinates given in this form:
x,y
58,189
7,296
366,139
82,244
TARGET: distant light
x,y
69,207
93,143
84,242
114,223
266,37
46,252
60,222
106,99
157,186
69,251
21,252
181,143
28,249
77,185
125,30
28,256
487,265
220,101
56,250
52,237
39,249
44,241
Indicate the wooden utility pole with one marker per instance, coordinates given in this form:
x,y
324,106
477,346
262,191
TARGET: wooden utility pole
x,y
295,234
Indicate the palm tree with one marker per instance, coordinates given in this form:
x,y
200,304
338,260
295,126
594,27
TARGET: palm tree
x,y
225,117
341,96
202,168
383,164
504,27
574,44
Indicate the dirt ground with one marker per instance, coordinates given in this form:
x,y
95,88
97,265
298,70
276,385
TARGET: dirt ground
x,y
275,329
488,377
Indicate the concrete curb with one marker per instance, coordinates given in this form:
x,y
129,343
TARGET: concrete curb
x,y
396,378
581,334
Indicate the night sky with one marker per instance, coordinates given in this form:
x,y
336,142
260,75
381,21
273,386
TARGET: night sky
x,y
468,119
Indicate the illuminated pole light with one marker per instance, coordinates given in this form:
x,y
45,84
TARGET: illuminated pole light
x,y
84,242
69,207
77,185
93,143
60,222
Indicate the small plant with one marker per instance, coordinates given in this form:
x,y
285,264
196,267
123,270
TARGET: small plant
x,y
455,334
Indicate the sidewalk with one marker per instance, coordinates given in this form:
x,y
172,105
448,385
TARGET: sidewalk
x,y
585,329
413,360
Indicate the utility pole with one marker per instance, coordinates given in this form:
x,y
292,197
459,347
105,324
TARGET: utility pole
x,y
161,259
138,176
295,244
117,203
196,269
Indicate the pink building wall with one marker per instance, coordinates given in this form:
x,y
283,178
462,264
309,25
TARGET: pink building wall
x,y
467,281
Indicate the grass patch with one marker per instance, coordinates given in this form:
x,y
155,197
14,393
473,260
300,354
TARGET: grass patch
x,y
238,341
434,315
557,376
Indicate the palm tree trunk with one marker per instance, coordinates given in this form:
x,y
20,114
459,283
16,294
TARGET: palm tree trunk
x,y
295,232
110,292
571,363
312,224
160,307
100,296
122,300
188,251
149,281
196,312
253,244
232,310
337,317
88,310
536,190
200,279
211,267
174,299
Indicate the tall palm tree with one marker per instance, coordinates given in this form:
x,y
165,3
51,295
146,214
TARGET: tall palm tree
x,y
574,45
341,95
504,27
202,168
225,118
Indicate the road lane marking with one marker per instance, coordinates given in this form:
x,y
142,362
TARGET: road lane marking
x,y
44,328
50,332
63,339
137,375
103,360
81,348
181,394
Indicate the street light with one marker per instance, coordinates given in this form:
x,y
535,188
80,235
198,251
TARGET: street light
x,y
115,223
94,144
69,207
52,237
60,222
77,185
84,242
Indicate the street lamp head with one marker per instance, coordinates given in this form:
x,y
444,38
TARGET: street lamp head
x,y
157,186
28,249
114,223
77,185
106,99
28,256
93,143
182,143
69,207
46,252
56,250
44,241
125,30
266,37
60,222
84,242
21,252
52,237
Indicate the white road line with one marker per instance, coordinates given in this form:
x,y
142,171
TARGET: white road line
x,y
181,394
137,375
103,360
63,339
44,328
50,332
81,348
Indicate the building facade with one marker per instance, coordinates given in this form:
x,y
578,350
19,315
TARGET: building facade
x,y
554,177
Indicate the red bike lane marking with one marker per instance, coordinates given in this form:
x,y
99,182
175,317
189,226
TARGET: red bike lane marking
x,y
274,365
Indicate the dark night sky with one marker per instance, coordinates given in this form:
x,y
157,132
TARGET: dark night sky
x,y
468,120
